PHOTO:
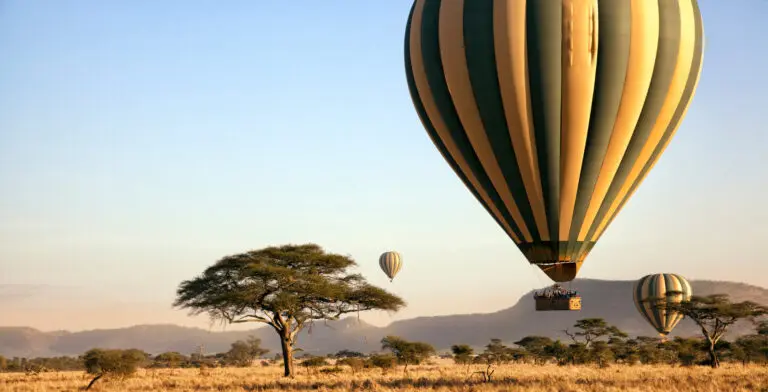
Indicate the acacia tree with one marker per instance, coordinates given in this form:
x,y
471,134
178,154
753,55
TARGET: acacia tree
x,y
243,353
592,329
762,328
713,314
115,362
537,347
407,352
285,287
462,354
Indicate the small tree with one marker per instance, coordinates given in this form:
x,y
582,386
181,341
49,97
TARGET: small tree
x,y
462,354
348,354
120,363
383,362
713,314
752,348
244,352
170,359
578,353
591,329
285,287
314,362
625,351
407,352
495,353
537,347
601,353
762,328
354,363
559,351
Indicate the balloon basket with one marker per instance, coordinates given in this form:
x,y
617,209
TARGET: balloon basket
x,y
557,299
545,304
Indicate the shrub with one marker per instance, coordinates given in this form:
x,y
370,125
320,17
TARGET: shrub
x,y
356,364
314,362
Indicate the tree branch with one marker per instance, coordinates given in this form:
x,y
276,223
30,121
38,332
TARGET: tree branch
x,y
572,336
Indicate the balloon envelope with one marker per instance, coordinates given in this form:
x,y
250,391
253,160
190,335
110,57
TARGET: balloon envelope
x,y
672,288
553,112
390,262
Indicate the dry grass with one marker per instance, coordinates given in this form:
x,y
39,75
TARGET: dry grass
x,y
443,377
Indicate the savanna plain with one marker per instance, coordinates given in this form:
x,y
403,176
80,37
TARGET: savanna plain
x,y
441,375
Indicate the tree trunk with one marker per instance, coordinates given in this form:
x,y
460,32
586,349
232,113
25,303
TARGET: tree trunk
x,y
93,381
713,360
285,344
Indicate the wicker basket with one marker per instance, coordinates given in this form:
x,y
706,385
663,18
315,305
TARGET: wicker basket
x,y
569,303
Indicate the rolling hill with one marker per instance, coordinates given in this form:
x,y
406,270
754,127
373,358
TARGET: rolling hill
x,y
611,300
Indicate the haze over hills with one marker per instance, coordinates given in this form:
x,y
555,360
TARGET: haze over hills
x,y
611,300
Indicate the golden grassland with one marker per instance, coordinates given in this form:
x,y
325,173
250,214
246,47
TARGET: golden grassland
x,y
439,377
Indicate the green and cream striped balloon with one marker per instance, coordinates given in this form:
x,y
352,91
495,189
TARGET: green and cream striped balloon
x,y
390,262
673,287
553,112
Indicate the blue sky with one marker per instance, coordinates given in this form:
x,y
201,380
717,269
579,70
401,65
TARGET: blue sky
x,y
141,141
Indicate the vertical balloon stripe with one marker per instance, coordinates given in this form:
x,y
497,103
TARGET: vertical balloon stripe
x,y
480,61
690,88
661,82
641,32
673,285
579,63
544,40
613,54
682,70
432,133
423,91
659,291
436,77
647,306
512,71
638,296
454,63
669,287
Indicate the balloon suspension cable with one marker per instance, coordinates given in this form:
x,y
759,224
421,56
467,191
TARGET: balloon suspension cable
x,y
535,272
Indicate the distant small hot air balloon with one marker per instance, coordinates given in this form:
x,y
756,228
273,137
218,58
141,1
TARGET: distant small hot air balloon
x,y
674,288
390,262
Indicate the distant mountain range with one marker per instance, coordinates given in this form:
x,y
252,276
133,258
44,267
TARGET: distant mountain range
x,y
611,300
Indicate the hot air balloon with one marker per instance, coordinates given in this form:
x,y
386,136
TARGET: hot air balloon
x,y
553,112
390,262
672,288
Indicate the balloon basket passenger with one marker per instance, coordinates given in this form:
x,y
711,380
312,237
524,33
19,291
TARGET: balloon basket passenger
x,y
557,298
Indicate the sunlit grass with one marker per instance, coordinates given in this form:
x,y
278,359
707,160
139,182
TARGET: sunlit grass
x,y
442,377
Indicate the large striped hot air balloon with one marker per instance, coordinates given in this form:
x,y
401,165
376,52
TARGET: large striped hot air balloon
x,y
552,112
671,288
390,262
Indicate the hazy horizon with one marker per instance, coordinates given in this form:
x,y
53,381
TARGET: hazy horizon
x,y
24,303
140,144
